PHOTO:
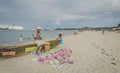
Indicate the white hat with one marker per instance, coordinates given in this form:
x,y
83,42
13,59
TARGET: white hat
x,y
38,27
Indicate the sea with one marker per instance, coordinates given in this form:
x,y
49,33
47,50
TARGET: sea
x,y
11,37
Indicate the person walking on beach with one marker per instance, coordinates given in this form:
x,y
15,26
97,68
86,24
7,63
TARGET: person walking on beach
x,y
103,31
38,39
21,39
75,32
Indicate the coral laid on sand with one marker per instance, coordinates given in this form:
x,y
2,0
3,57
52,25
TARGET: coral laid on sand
x,y
57,58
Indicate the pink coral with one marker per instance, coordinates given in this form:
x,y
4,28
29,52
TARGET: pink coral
x,y
61,53
48,57
47,61
40,59
58,57
68,52
71,62
54,55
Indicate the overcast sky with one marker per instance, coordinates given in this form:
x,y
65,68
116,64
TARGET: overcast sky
x,y
60,13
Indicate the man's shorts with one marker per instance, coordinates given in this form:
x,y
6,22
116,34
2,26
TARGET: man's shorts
x,y
39,42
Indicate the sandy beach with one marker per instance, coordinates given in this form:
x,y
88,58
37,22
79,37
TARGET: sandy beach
x,y
92,52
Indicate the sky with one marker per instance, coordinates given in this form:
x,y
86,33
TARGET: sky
x,y
60,13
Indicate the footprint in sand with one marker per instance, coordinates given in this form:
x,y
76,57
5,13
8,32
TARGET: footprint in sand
x,y
113,63
107,54
113,59
103,52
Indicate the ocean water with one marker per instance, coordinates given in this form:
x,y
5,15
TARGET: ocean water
x,y
11,37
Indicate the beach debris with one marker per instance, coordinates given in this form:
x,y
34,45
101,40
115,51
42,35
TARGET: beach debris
x,y
57,59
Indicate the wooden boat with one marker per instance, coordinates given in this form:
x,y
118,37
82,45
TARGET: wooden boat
x,y
20,48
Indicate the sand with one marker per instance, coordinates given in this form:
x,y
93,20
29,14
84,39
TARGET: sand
x,y
92,52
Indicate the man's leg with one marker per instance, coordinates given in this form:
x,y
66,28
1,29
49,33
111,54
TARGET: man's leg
x,y
42,48
38,48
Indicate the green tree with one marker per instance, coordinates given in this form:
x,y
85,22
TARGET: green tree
x,y
119,25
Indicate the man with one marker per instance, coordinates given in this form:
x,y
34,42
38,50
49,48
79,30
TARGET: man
x,y
38,39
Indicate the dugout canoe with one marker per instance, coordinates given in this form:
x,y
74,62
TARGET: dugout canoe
x,y
20,48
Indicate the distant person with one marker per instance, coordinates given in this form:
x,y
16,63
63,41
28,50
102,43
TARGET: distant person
x,y
60,39
75,32
103,31
38,39
61,33
21,39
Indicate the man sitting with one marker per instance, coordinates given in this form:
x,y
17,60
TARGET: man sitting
x,y
38,39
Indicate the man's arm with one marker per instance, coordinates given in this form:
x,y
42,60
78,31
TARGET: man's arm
x,y
37,37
